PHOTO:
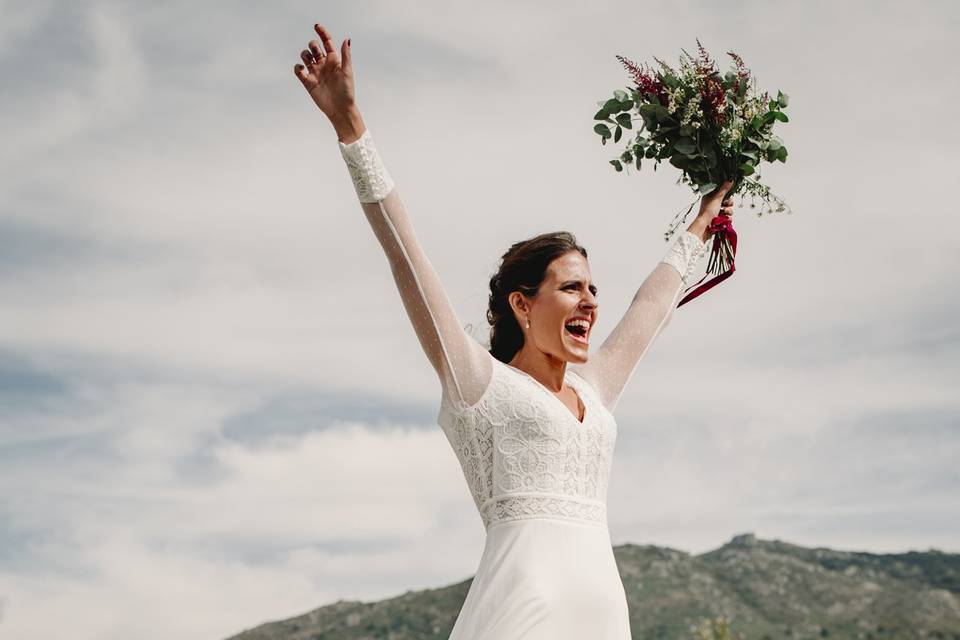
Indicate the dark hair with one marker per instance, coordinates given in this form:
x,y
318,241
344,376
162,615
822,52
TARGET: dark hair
x,y
523,268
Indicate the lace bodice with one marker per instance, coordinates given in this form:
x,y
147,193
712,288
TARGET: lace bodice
x,y
524,454
522,451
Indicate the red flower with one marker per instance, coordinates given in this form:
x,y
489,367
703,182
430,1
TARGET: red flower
x,y
742,72
705,66
647,81
713,99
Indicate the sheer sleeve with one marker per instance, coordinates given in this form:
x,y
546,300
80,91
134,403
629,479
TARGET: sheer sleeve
x,y
462,364
611,366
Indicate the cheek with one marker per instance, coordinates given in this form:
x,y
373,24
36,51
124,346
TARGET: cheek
x,y
559,309
554,314
547,316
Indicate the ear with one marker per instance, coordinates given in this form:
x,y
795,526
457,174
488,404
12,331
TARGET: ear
x,y
519,303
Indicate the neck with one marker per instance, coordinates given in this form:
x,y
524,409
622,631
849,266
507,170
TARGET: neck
x,y
548,370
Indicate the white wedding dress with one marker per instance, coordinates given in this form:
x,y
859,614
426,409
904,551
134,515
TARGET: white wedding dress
x,y
537,474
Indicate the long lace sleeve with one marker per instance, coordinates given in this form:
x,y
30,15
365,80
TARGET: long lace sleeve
x,y
611,366
462,364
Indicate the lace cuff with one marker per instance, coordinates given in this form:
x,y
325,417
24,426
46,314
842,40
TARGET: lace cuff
x,y
370,177
685,253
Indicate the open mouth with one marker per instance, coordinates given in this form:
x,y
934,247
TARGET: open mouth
x,y
577,332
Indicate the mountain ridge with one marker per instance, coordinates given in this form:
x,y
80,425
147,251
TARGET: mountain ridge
x,y
766,589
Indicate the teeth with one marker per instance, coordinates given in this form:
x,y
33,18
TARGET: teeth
x,y
582,323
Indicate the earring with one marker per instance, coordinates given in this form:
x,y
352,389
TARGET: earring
x,y
528,323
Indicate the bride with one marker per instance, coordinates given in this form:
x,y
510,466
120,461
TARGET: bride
x,y
531,418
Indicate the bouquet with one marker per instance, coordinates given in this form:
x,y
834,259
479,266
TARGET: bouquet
x,y
712,127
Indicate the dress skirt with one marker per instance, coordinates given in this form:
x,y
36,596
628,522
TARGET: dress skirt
x,y
545,579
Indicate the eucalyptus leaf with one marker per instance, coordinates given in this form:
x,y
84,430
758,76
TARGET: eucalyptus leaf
x,y
618,132
782,98
616,165
601,115
626,156
612,106
775,143
648,110
624,120
639,156
620,94
746,168
603,130
685,145
781,116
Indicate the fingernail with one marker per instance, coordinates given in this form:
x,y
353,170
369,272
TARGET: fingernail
x,y
348,42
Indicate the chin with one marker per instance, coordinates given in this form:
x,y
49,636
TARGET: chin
x,y
576,356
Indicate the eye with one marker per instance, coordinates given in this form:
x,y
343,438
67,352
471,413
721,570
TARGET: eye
x,y
574,285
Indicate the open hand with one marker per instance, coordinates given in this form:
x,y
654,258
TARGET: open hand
x,y
327,75
713,204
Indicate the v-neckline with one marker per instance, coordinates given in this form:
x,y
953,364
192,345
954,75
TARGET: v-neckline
x,y
576,391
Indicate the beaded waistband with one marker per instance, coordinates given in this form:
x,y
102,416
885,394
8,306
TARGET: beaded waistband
x,y
519,506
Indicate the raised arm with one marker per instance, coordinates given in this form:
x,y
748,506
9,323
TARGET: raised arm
x,y
610,367
462,364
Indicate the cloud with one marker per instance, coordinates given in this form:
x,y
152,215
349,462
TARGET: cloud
x,y
308,518
211,399
101,85
294,414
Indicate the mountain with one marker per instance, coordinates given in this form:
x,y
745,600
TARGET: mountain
x,y
766,589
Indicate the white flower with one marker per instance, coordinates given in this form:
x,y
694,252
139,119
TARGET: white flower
x,y
692,109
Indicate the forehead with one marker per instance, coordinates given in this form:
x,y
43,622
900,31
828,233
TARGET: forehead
x,y
570,266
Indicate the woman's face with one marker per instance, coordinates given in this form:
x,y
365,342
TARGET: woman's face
x,y
566,294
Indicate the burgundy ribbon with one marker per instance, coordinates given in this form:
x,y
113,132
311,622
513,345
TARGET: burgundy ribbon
x,y
722,227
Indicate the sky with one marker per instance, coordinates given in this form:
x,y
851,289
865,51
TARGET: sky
x,y
213,409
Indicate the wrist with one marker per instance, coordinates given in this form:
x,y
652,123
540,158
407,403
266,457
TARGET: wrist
x,y
700,226
348,125
370,177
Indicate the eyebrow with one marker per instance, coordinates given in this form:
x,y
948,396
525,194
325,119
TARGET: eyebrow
x,y
593,287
